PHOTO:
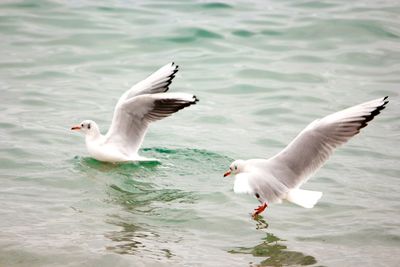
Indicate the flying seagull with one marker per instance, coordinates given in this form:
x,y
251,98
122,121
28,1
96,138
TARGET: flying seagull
x,y
280,177
144,103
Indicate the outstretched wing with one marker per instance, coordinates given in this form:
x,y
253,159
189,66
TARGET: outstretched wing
x,y
158,82
133,116
313,146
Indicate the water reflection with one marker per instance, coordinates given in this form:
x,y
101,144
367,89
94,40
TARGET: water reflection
x,y
127,239
274,251
137,197
261,223
181,161
145,203
136,236
83,163
135,239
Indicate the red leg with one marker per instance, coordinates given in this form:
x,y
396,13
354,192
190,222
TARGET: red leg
x,y
259,209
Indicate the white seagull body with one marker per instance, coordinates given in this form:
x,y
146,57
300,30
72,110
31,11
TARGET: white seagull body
x,y
280,177
144,103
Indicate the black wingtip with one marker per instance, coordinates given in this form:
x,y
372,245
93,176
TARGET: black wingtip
x,y
385,100
173,64
375,112
171,76
175,70
195,99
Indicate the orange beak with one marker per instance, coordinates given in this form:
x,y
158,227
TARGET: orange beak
x,y
227,173
76,128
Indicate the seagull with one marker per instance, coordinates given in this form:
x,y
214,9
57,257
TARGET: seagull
x,y
136,109
280,177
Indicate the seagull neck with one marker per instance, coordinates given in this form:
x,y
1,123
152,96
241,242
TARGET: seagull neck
x,y
95,134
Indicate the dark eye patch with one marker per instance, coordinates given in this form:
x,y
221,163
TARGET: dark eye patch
x,y
82,125
235,167
88,126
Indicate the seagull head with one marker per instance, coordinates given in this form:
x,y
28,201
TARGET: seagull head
x,y
87,127
236,167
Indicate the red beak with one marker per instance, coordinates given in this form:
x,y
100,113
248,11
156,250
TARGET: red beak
x,y
227,173
76,128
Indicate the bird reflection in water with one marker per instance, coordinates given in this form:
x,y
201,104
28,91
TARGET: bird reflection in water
x,y
274,251
136,236
135,240
127,240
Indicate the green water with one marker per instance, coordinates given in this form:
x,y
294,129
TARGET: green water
x,y
262,71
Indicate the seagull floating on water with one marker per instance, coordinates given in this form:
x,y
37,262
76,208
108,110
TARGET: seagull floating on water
x,y
280,177
144,103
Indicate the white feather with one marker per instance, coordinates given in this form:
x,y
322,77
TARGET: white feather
x,y
305,198
281,176
241,185
142,104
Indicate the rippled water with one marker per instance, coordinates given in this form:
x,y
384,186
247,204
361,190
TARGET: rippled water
x,y
262,71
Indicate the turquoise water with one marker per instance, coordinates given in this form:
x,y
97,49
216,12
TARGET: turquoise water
x,y
262,71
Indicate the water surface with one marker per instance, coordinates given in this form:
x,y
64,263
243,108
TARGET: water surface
x,y
262,71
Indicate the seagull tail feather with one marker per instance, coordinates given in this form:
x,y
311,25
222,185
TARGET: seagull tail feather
x,y
304,198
